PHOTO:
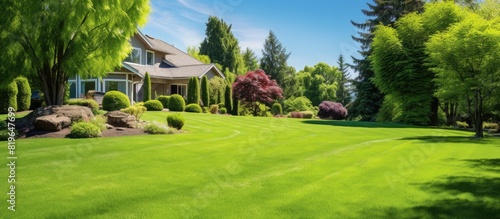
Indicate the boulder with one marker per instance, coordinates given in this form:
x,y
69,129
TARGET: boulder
x,y
52,122
75,113
121,119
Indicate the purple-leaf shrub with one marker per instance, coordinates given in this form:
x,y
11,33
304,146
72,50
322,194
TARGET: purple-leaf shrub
x,y
332,110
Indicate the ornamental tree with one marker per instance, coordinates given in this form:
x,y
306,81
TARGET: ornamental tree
x,y
255,87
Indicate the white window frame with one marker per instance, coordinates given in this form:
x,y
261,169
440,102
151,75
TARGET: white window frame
x,y
116,80
178,85
87,80
153,58
140,55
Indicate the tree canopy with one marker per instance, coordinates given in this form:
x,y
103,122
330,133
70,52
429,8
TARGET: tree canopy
x,y
274,58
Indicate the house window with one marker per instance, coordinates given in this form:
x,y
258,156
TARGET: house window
x,y
150,57
180,89
115,85
72,89
85,86
134,56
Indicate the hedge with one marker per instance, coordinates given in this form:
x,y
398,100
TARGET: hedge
x,y
176,103
175,120
193,108
153,105
24,94
164,100
8,97
115,100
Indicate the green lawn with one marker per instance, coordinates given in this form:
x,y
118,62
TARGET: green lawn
x,y
244,167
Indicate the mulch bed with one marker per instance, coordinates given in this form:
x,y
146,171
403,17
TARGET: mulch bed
x,y
115,132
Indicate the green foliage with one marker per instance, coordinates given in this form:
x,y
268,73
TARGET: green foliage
x,y
146,87
390,110
297,104
344,90
223,111
176,120
220,44
164,100
307,114
156,127
235,111
24,94
115,100
137,111
276,109
195,53
5,134
153,105
214,108
99,121
462,124
228,98
176,103
92,104
250,59
8,97
216,89
84,130
274,58
319,83
205,96
55,41
193,91
193,108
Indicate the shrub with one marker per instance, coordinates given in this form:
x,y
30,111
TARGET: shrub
x,y
488,125
228,98
193,108
214,108
297,115
205,97
164,100
115,100
206,109
297,104
462,124
136,111
332,110
5,134
276,109
176,103
84,130
175,120
236,107
156,127
307,114
99,121
193,91
223,110
147,87
92,104
8,97
24,93
153,105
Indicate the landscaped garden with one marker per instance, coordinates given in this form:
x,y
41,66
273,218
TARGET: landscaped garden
x,y
254,167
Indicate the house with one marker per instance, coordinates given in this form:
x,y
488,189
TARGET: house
x,y
169,68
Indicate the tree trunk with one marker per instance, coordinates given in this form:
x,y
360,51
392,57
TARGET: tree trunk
x,y
478,106
53,83
434,118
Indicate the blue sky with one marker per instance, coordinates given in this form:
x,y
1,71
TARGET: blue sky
x,y
313,31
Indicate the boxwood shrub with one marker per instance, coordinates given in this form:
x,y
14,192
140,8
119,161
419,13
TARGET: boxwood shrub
x,y
223,110
8,97
115,100
193,108
153,105
92,104
24,94
175,120
176,103
84,130
164,100
276,109
156,127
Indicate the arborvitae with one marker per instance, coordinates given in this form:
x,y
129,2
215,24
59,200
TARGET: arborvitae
x,y
193,91
205,97
228,97
147,87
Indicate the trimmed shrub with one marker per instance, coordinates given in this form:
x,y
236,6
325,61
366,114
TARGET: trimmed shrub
x,y
205,97
153,105
115,100
206,109
307,114
176,103
214,108
193,91
99,121
147,87
223,110
332,110
296,115
156,127
193,108
236,107
92,104
23,94
276,109
135,110
84,130
8,97
164,100
297,104
175,120
228,96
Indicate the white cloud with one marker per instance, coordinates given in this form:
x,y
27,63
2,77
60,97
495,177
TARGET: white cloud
x,y
165,21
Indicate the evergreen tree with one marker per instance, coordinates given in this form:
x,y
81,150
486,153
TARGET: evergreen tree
x,y
274,59
205,96
147,87
343,91
228,98
220,44
193,91
250,59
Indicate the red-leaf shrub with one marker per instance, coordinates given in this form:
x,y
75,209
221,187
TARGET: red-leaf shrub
x,y
332,110
256,87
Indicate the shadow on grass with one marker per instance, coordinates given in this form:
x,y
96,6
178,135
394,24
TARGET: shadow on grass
x,y
449,139
484,164
359,124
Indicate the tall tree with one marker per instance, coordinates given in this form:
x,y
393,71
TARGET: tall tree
x,y
250,59
220,44
193,95
274,58
343,91
55,41
468,53
228,98
385,12
205,96
195,53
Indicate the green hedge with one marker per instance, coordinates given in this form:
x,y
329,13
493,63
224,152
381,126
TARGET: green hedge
x,y
153,105
92,104
176,103
115,100
84,130
276,109
193,108
24,94
164,100
223,111
8,97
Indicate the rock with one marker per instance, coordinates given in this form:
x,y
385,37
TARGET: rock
x,y
121,119
108,126
52,122
75,113
120,129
